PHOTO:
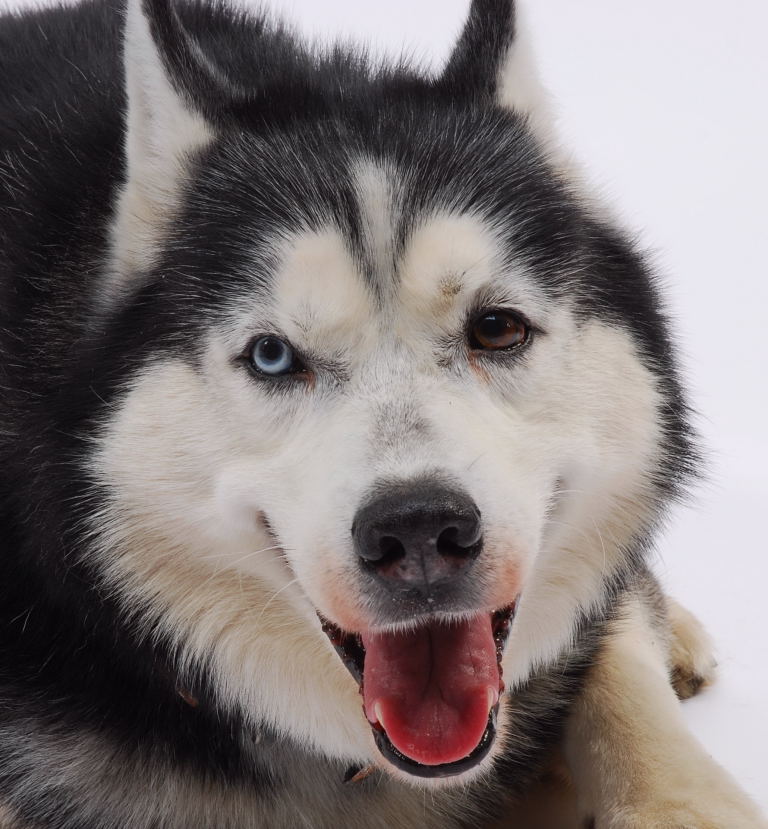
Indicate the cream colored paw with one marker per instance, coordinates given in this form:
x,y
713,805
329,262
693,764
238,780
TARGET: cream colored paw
x,y
691,658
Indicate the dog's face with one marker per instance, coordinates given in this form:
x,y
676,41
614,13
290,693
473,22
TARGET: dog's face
x,y
386,389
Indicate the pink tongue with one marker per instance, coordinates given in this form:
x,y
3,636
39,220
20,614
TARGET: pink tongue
x,y
432,689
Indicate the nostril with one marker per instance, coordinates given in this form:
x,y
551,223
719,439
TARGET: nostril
x,y
379,549
447,544
391,550
453,542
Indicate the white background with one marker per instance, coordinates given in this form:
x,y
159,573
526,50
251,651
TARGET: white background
x,y
664,102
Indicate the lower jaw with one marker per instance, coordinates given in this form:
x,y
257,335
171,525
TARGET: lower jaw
x,y
415,769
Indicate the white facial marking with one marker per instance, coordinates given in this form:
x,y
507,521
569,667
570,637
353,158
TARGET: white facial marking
x,y
606,403
447,259
318,295
168,550
375,186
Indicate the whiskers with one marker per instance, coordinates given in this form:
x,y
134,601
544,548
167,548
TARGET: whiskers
x,y
230,563
242,558
589,537
274,596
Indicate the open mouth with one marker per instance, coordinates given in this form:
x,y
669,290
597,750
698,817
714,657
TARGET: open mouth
x,y
431,694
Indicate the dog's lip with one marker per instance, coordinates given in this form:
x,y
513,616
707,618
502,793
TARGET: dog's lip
x,y
349,647
351,651
403,763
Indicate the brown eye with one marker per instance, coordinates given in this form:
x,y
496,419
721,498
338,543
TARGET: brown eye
x,y
497,330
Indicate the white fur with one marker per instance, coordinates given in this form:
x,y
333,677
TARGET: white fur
x,y
318,299
194,573
520,84
522,88
376,185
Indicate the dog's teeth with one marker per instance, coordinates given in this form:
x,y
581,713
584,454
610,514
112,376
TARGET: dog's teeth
x,y
377,713
493,697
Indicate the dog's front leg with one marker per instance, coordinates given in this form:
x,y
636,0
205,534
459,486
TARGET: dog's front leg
x,y
634,763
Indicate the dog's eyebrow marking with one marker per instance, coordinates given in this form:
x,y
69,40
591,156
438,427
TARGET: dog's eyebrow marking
x,y
447,259
319,295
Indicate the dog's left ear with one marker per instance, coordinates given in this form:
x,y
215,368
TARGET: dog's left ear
x,y
172,92
493,62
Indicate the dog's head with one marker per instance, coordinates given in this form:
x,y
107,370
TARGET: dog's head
x,y
387,376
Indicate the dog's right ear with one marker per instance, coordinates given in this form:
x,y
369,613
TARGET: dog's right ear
x,y
493,63
168,81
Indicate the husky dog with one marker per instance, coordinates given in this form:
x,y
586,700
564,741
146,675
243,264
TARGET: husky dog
x,y
336,423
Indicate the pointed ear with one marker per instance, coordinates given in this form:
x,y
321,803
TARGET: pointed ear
x,y
164,126
494,61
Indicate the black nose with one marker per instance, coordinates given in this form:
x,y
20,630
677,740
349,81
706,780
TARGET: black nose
x,y
415,535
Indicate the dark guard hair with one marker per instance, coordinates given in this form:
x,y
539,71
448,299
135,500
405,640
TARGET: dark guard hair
x,y
94,731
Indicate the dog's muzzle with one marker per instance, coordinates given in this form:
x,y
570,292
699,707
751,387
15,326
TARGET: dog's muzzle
x,y
429,667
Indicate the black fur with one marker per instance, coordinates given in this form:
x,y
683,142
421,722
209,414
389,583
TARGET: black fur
x,y
473,68
69,663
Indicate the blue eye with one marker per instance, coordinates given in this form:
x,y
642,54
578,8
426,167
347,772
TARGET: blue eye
x,y
273,356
